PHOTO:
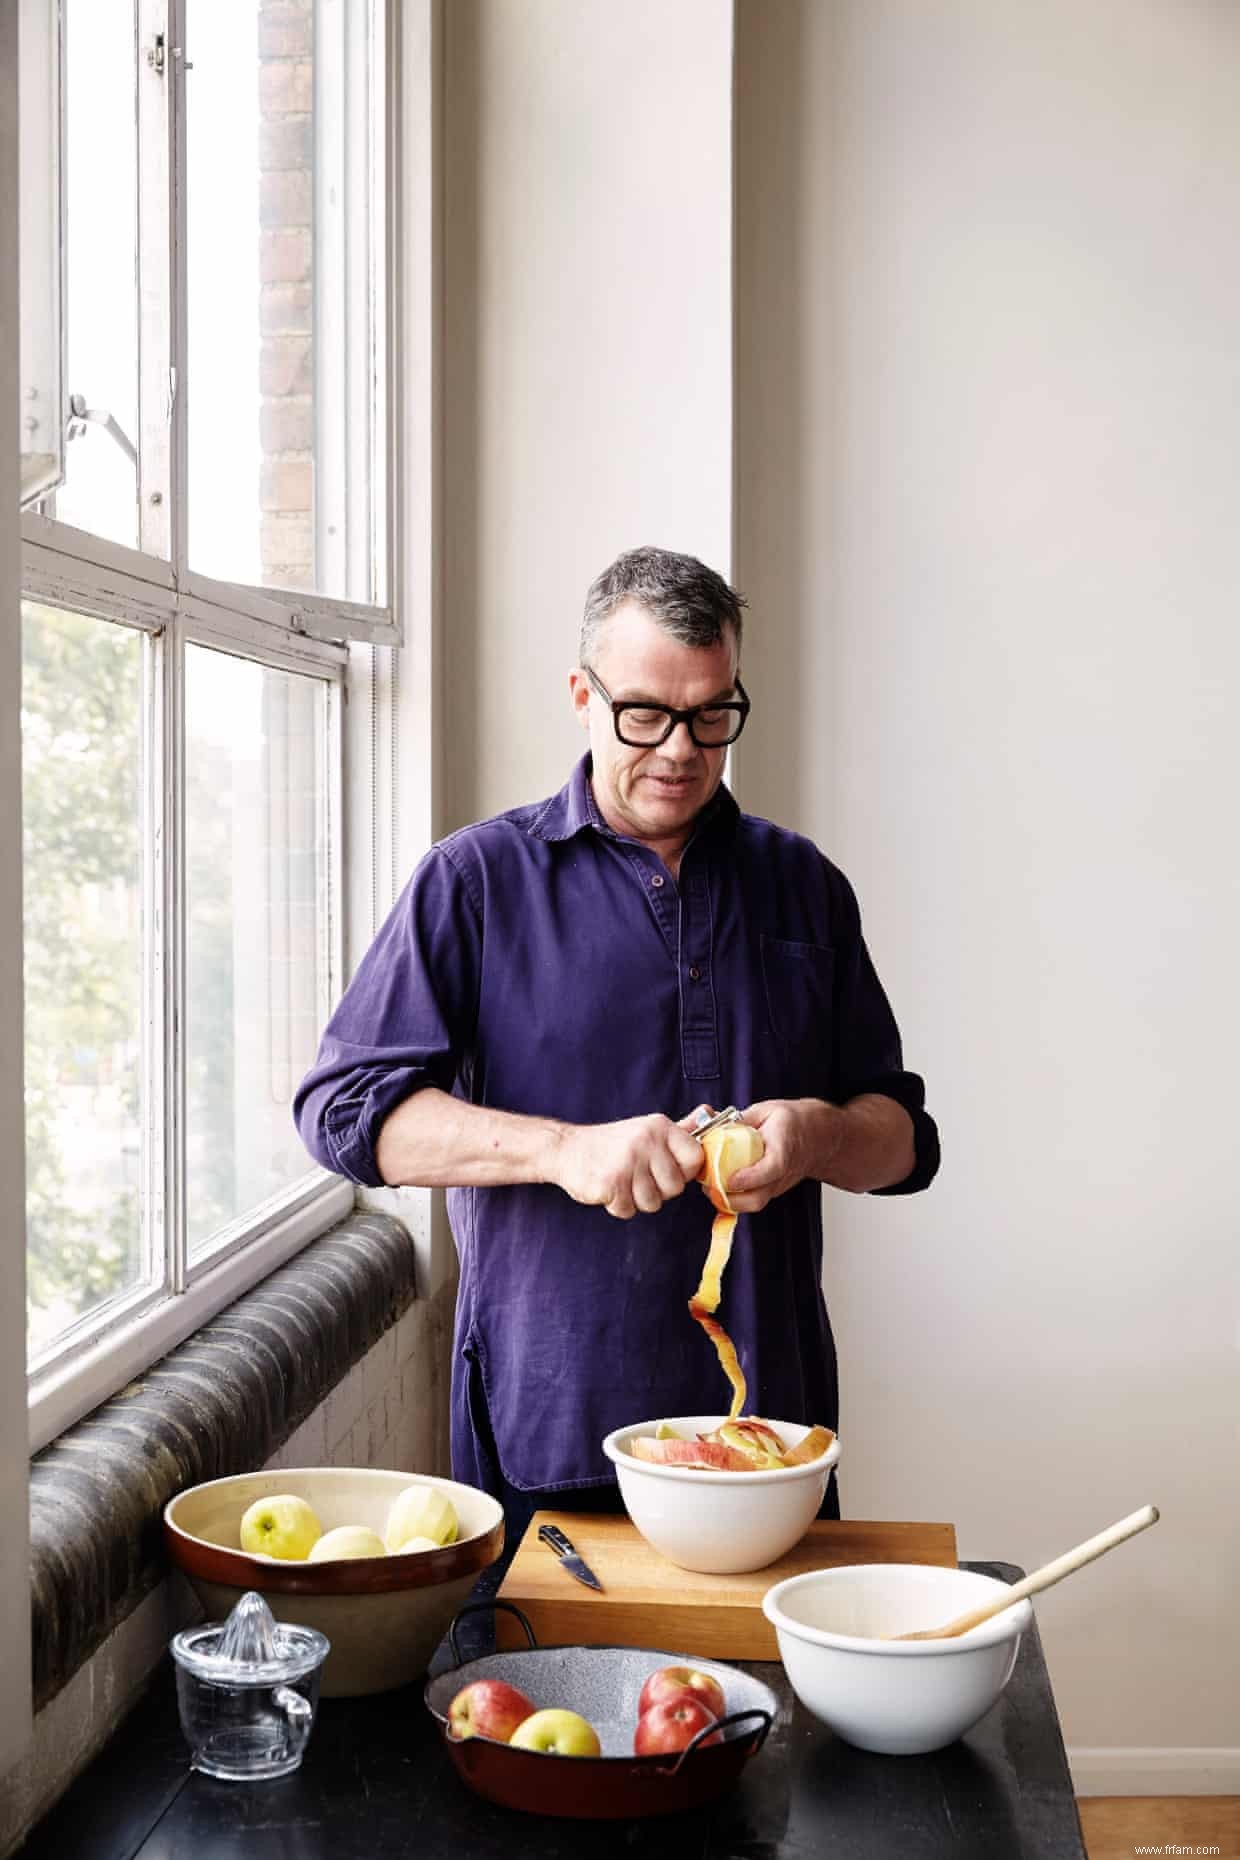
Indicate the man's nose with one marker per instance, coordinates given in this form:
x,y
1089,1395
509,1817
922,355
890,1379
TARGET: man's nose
x,y
679,746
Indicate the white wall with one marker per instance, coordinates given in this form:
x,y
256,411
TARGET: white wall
x,y
587,329
14,1520
988,410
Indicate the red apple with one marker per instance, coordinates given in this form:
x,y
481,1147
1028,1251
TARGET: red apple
x,y
670,1681
672,1724
488,1708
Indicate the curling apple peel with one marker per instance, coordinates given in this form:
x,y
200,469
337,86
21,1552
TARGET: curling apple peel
x,y
726,1148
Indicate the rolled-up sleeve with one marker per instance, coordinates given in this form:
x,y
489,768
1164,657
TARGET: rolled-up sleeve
x,y
868,1056
405,1021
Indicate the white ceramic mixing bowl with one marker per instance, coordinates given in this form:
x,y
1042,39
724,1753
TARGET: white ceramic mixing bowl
x,y
898,1697
721,1522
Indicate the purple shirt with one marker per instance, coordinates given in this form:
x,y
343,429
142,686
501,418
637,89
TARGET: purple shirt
x,y
539,962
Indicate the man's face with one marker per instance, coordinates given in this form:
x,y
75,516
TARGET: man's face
x,y
652,794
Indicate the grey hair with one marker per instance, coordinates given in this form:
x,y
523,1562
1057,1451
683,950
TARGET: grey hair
x,y
693,603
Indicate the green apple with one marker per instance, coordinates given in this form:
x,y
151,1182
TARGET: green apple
x,y
420,1511
559,1733
347,1540
282,1526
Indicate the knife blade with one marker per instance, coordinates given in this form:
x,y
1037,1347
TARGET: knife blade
x,y
569,1558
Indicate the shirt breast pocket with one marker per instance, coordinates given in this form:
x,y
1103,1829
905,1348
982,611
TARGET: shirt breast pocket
x,y
798,982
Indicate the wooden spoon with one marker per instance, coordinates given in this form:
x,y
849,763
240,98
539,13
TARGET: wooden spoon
x,y
1041,1578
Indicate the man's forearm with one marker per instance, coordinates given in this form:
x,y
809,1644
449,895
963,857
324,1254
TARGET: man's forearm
x,y
433,1140
864,1144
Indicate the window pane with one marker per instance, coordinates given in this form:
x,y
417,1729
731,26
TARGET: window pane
x,y
82,815
100,492
286,367
38,210
256,883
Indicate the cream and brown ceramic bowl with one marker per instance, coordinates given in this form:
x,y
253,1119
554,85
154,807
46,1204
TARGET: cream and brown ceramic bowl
x,y
383,1615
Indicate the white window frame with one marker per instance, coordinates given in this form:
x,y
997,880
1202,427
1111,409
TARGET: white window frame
x,y
41,252
154,590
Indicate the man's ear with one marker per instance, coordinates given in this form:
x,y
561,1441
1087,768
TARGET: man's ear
x,y
579,689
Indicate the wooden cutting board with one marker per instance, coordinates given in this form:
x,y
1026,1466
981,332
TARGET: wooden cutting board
x,y
649,1602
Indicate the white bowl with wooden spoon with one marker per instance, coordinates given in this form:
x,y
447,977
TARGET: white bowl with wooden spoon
x,y
896,1696
903,1658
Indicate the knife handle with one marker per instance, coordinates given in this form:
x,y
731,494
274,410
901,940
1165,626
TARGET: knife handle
x,y
556,1539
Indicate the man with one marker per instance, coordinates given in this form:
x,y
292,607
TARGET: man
x,y
553,994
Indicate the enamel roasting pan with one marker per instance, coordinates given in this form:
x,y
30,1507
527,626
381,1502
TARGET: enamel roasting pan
x,y
603,1684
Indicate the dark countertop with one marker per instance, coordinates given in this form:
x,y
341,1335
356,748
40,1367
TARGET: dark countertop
x,y
376,1784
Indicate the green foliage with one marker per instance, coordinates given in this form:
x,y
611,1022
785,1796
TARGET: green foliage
x,y
81,777
86,943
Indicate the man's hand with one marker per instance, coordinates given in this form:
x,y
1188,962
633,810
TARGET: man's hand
x,y
631,1167
800,1135
864,1144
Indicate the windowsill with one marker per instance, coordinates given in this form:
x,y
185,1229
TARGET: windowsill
x,y
68,1390
223,1402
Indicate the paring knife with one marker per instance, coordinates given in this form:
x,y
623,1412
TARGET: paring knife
x,y
568,1556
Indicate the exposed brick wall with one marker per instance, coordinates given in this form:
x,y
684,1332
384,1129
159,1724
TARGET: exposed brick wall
x,y
286,304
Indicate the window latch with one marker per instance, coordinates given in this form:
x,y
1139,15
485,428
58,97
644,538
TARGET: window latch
x,y
81,416
157,56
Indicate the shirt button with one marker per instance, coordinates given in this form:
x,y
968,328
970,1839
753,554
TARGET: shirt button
x,y
695,974
656,881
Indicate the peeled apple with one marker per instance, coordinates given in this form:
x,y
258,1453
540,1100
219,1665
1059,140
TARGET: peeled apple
x,y
420,1511
727,1148
347,1540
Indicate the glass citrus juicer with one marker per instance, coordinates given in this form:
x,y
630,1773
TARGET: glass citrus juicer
x,y
248,1691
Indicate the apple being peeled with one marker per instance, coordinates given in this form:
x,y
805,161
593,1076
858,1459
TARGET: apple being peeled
x,y
281,1526
557,1734
488,1708
673,1723
670,1681
728,1149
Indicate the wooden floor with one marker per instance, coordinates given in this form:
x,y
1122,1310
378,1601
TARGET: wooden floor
x,y
1118,1826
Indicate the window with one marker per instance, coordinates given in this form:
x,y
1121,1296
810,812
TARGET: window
x,y
87,1093
258,964
206,474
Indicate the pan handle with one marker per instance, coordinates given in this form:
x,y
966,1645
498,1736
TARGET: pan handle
x,y
476,1608
709,1730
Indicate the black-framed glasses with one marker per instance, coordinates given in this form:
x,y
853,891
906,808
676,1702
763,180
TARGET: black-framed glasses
x,y
645,726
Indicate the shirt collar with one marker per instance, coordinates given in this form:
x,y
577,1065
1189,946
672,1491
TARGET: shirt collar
x,y
573,810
